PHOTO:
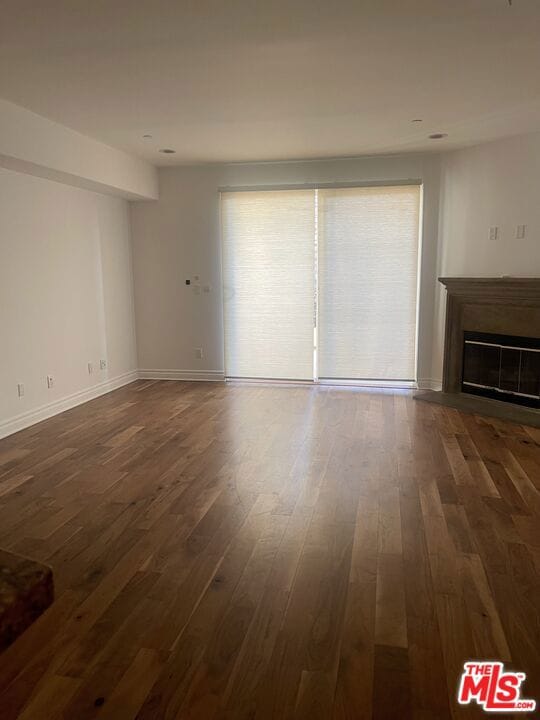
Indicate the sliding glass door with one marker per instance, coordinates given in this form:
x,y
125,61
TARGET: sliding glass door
x,y
368,260
269,283
321,283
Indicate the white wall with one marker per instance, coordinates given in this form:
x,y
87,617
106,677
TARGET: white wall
x,y
495,184
179,236
38,146
65,296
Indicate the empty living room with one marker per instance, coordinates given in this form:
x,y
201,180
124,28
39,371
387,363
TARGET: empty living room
x,y
270,359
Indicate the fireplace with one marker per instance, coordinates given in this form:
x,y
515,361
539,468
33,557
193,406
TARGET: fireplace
x,y
491,348
492,337
502,367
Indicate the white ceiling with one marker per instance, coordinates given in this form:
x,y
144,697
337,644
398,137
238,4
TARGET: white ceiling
x,y
275,79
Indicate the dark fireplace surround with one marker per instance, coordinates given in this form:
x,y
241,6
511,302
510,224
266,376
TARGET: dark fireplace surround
x,y
491,338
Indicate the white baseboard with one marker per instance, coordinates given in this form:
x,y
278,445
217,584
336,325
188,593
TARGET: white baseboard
x,y
202,375
429,384
19,422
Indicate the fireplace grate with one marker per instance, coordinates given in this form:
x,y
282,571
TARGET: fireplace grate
x,y
504,367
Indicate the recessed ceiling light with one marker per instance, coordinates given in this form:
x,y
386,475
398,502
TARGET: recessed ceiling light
x,y
438,136
167,151
147,137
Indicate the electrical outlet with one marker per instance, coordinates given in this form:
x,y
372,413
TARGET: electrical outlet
x,y
90,368
102,364
520,232
50,381
206,288
198,353
493,232
20,390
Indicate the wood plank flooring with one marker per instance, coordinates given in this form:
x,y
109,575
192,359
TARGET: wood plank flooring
x,y
224,552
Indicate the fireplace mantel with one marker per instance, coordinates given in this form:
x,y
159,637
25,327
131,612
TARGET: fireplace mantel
x,y
493,287
504,305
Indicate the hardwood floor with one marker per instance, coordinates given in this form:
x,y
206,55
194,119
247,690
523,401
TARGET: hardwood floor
x,y
239,551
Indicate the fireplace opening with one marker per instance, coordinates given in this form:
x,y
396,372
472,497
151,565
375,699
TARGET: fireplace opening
x,y
504,367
